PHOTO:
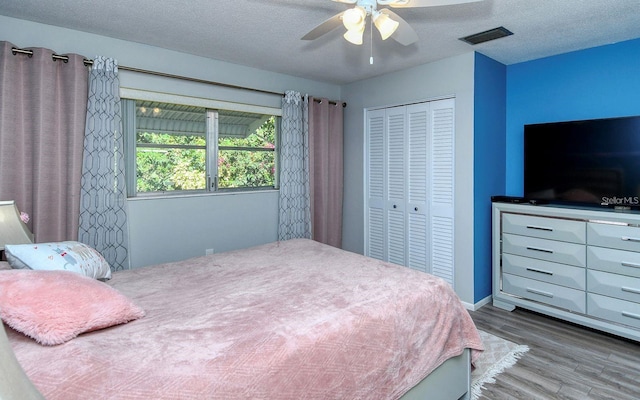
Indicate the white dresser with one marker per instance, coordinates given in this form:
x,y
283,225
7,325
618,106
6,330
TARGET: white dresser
x,y
581,265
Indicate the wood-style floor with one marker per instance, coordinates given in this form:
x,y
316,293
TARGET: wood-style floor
x,y
565,361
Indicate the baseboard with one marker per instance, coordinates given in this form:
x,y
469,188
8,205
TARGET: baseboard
x,y
476,306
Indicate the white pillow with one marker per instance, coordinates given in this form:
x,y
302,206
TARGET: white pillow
x,y
67,256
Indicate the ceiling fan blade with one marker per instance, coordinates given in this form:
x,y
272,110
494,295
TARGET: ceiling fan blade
x,y
325,27
422,3
405,35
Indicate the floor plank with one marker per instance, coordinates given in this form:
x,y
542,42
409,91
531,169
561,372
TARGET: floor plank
x,y
565,361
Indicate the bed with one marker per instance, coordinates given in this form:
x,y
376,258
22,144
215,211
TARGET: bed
x,y
287,320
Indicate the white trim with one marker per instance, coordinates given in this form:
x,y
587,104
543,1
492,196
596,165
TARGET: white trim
x,y
199,194
408,103
476,306
136,94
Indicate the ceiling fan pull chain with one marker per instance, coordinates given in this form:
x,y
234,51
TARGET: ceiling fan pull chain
x,y
371,41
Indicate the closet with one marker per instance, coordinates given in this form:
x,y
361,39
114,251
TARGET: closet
x,y
409,186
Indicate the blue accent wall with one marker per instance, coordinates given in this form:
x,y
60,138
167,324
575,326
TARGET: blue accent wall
x,y
600,82
488,161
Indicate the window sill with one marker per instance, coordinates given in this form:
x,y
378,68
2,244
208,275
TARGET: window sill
x,y
203,194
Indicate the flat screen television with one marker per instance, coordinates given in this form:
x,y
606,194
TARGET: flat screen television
x,y
591,162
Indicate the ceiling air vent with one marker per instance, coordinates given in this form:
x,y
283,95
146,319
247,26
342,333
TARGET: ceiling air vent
x,y
491,34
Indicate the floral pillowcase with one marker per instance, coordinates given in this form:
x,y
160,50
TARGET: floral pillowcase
x,y
68,256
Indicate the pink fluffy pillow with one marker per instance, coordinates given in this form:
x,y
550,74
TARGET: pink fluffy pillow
x,y
53,307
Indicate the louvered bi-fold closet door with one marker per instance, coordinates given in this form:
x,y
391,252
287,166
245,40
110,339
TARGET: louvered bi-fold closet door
x,y
442,118
375,184
396,131
409,186
418,151
385,186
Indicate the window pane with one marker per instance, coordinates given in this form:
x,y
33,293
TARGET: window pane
x,y
183,148
246,150
166,169
240,168
170,147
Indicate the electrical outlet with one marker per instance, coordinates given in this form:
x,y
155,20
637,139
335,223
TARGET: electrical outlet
x,y
208,252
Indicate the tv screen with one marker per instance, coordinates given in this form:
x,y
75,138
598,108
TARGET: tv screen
x,y
594,162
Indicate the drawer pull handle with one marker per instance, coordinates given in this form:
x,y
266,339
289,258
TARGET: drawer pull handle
x,y
539,249
630,239
540,292
540,228
540,271
630,290
628,264
630,315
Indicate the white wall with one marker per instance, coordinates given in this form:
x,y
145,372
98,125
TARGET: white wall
x,y
449,77
172,229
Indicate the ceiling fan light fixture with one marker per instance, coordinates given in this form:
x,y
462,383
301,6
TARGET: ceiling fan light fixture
x,y
354,18
386,26
355,35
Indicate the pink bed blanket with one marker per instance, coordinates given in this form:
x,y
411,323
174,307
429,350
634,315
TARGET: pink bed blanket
x,y
288,320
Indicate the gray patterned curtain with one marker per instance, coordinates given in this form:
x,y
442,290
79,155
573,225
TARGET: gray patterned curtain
x,y
103,216
295,203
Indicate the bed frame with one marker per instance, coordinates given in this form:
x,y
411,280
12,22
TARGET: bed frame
x,y
450,381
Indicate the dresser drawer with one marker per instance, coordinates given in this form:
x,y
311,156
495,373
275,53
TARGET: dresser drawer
x,y
612,285
615,261
615,236
616,310
543,249
544,228
558,296
546,271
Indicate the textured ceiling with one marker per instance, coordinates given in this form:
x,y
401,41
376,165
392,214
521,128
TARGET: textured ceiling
x,y
266,34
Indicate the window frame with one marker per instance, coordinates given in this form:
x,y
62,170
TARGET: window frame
x,y
212,107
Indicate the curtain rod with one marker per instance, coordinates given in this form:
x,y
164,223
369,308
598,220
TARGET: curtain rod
x,y
332,102
88,62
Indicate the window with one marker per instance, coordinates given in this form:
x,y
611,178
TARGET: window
x,y
185,148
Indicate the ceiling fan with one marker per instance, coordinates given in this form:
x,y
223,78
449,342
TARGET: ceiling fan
x,y
388,23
